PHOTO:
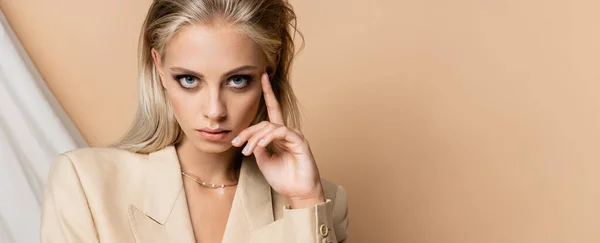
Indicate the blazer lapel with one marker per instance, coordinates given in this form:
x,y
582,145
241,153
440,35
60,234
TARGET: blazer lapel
x,y
252,207
163,216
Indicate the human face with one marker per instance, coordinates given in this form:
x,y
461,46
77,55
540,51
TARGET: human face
x,y
212,78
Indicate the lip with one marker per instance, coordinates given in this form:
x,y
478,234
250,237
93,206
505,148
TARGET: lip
x,y
213,134
213,130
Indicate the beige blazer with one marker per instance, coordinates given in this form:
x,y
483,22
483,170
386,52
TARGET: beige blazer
x,y
111,195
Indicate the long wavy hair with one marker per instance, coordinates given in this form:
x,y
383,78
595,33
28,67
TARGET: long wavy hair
x,y
269,23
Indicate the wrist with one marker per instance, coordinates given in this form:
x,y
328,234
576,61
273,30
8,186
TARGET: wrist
x,y
310,200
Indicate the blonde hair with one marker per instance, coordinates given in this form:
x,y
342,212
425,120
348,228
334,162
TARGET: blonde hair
x,y
269,23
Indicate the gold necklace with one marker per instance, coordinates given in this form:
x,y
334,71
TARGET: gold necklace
x,y
209,185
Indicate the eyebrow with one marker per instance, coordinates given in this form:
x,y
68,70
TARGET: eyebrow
x,y
229,73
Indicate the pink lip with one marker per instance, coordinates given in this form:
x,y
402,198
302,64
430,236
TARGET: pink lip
x,y
213,130
213,134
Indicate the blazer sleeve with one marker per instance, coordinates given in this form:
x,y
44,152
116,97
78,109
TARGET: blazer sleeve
x,y
324,223
66,216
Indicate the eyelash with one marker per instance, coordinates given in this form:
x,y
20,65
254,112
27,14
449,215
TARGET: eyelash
x,y
179,77
248,79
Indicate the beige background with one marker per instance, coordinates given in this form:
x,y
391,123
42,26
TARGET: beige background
x,y
447,121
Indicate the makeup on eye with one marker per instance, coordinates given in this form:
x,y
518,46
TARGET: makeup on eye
x,y
235,81
239,81
186,81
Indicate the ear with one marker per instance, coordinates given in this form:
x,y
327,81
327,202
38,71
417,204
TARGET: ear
x,y
159,67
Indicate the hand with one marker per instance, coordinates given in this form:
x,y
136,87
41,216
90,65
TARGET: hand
x,y
291,169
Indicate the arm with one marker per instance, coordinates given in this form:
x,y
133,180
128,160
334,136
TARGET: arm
x,y
291,170
324,222
66,216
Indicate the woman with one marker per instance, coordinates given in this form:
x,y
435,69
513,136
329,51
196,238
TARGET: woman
x,y
214,153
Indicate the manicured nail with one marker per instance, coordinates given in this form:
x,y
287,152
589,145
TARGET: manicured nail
x,y
235,140
262,142
245,150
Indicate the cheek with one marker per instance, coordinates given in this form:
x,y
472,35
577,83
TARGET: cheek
x,y
245,108
179,103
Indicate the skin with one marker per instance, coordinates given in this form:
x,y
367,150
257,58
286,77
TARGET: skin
x,y
201,73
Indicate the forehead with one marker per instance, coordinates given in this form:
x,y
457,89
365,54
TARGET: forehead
x,y
201,46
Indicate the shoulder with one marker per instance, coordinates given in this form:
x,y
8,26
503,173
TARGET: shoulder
x,y
97,167
93,182
98,173
100,158
105,154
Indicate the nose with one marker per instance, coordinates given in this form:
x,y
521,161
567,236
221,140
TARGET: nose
x,y
213,107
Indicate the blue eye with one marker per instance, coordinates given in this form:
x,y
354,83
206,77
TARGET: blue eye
x,y
187,81
239,81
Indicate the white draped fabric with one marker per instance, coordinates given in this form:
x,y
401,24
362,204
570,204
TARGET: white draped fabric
x,y
33,129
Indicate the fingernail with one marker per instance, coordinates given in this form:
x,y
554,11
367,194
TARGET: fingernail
x,y
235,140
261,142
245,150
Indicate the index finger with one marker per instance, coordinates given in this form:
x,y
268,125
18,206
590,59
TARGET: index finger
x,y
273,109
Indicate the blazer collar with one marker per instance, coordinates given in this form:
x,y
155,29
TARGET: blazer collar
x,y
165,200
255,195
163,184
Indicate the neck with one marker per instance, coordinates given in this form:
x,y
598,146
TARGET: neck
x,y
216,168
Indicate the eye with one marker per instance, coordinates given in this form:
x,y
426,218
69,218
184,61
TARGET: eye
x,y
239,81
187,81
